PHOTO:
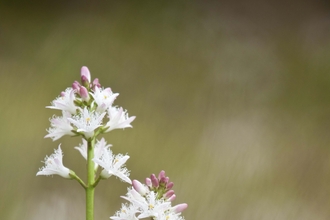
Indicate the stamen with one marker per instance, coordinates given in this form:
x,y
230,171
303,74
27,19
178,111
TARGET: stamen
x,y
88,120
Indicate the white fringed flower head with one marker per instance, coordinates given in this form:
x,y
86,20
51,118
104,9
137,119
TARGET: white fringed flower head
x,y
113,165
127,212
65,102
87,122
170,216
54,165
99,149
153,207
60,126
118,118
103,98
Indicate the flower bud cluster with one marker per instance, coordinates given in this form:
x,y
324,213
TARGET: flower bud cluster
x,y
161,185
152,199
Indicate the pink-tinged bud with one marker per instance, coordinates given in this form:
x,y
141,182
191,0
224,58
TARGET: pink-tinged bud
x,y
148,182
139,187
84,81
171,199
154,180
180,208
76,86
85,75
164,180
83,92
96,83
169,185
169,194
161,175
62,94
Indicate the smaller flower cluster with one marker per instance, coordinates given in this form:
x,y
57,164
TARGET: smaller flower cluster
x,y
152,199
111,164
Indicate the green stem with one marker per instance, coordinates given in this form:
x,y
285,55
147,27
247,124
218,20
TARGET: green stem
x,y
97,181
90,180
74,176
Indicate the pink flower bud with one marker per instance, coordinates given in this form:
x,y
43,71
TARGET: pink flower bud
x,y
171,199
164,180
161,175
85,75
76,86
62,94
154,180
139,187
169,185
180,208
148,182
96,83
169,194
84,93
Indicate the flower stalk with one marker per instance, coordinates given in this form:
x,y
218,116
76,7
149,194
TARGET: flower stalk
x,y
90,180
74,176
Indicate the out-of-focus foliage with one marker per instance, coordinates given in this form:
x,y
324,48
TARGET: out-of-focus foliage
x,y
232,100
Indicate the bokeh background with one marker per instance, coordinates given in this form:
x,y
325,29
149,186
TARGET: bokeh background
x,y
232,101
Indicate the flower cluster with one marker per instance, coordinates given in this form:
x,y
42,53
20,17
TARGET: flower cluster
x,y
87,111
152,199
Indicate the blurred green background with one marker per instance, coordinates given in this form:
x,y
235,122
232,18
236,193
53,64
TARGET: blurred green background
x,y
232,101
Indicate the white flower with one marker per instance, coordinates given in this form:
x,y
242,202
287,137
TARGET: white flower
x,y
148,204
99,148
168,215
54,165
112,165
118,118
87,122
65,102
103,98
134,197
60,126
153,207
127,212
